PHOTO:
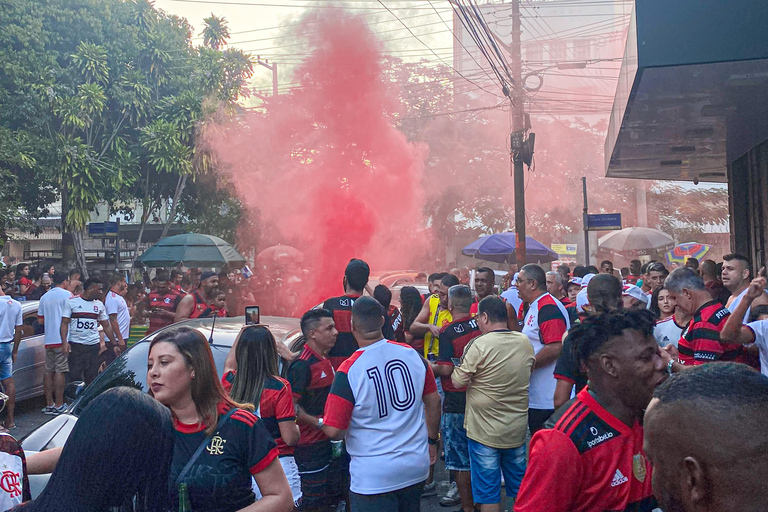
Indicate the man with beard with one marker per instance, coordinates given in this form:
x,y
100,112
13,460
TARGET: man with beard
x,y
705,436
196,303
737,274
593,458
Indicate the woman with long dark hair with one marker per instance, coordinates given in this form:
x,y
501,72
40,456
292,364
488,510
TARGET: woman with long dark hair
x,y
219,443
117,458
410,306
251,375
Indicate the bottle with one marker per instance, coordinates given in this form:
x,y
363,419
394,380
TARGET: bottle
x,y
184,505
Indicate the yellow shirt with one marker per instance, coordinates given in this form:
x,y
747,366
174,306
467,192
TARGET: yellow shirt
x,y
439,317
496,370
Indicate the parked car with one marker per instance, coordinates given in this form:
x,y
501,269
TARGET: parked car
x,y
130,369
29,369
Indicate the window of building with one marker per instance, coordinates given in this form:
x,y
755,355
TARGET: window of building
x,y
581,49
558,51
534,53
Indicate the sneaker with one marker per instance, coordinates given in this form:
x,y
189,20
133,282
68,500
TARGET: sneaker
x,y
342,506
452,497
48,409
58,410
429,490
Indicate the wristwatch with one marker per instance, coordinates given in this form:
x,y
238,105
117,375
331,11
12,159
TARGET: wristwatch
x,y
434,441
320,423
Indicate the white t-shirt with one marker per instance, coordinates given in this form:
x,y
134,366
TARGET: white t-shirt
x,y
116,305
84,321
513,298
12,488
548,319
377,397
50,309
735,303
667,331
760,328
10,318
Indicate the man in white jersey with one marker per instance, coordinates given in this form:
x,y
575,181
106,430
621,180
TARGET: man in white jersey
x,y
11,323
736,276
49,313
119,316
80,322
545,324
384,401
754,332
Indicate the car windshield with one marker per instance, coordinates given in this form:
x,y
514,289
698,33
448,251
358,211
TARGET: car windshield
x,y
130,369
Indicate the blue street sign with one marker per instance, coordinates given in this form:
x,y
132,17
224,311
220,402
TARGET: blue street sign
x,y
603,222
102,229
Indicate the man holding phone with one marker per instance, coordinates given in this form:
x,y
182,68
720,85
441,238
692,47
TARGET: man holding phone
x,y
454,337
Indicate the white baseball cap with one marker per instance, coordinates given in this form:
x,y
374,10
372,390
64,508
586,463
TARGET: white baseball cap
x,y
586,279
635,292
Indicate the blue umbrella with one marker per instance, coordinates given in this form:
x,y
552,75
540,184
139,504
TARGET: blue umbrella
x,y
500,248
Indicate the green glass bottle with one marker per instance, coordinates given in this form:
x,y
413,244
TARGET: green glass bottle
x,y
184,505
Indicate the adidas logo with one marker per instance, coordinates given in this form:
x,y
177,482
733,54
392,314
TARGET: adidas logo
x,y
322,375
618,479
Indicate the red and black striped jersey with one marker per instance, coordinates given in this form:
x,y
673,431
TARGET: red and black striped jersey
x,y
168,301
275,406
700,342
341,308
454,338
310,377
589,462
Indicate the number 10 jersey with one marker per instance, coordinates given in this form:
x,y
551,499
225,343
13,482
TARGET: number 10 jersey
x,y
377,397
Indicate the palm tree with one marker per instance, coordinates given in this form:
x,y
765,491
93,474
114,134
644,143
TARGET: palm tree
x,y
216,32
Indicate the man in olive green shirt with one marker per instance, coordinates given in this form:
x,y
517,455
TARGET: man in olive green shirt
x,y
496,370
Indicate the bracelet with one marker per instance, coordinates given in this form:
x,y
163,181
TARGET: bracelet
x,y
435,441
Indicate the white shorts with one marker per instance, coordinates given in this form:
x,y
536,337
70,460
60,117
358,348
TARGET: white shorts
x,y
291,473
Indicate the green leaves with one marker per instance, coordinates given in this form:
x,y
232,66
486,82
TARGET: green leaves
x,y
216,32
90,61
165,151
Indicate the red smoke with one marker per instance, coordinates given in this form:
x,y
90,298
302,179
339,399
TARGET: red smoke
x,y
325,169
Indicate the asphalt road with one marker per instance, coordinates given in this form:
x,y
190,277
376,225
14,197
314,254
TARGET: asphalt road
x,y
29,416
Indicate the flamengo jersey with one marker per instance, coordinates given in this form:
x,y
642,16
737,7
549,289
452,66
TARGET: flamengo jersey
x,y
667,331
84,321
700,342
310,377
453,340
377,398
590,462
545,323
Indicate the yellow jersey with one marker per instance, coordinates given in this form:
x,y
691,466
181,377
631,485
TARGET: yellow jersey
x,y
439,317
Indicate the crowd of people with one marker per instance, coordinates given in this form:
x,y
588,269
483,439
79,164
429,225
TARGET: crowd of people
x,y
637,390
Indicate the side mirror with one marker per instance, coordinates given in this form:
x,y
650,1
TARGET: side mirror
x,y
73,390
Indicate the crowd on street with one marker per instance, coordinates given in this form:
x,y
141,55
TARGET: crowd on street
x,y
582,388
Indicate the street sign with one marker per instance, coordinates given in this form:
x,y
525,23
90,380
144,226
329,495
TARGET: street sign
x,y
102,229
603,221
565,249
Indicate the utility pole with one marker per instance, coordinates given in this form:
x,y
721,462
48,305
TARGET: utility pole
x,y
518,135
272,67
585,221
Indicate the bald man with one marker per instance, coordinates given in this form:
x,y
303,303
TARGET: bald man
x,y
706,438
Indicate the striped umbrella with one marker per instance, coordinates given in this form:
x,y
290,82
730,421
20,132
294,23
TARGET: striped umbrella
x,y
687,250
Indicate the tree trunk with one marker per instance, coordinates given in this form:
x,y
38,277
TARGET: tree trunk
x,y
80,252
144,218
176,195
68,252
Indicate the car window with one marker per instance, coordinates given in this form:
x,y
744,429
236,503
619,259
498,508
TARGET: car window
x,y
130,369
31,326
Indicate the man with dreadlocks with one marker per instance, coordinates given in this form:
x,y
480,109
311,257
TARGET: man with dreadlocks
x,y
593,458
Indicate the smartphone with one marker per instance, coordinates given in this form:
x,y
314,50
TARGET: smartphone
x,y
456,361
252,316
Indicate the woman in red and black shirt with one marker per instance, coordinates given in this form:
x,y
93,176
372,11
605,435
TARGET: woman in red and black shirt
x,y
251,375
181,374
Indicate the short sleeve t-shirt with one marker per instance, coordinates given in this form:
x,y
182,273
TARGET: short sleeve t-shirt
x,y
700,342
760,330
453,339
116,305
15,483
310,377
568,369
10,318
377,398
667,331
545,322
589,462
275,406
220,478
51,309
84,316
439,317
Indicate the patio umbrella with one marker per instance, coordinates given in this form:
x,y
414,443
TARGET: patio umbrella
x,y
191,250
500,248
687,250
280,254
636,239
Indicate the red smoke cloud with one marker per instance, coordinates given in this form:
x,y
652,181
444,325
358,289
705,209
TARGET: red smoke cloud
x,y
325,169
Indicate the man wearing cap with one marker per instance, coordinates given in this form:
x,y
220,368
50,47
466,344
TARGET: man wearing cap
x,y
197,302
634,298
